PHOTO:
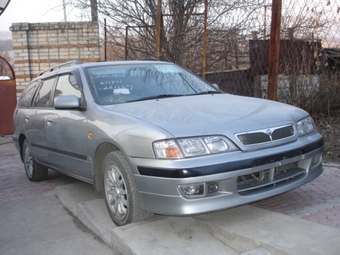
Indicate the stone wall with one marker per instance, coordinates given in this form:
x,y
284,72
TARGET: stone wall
x,y
39,46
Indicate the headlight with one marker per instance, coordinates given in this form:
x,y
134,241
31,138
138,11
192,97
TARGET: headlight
x,y
192,146
305,126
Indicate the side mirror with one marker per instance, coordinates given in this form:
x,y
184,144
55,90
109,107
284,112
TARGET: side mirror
x,y
66,102
215,86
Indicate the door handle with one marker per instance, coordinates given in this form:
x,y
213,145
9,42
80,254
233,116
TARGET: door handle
x,y
27,118
49,122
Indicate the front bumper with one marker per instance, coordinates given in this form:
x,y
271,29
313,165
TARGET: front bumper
x,y
282,168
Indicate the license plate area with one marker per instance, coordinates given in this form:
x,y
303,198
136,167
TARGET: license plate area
x,y
269,178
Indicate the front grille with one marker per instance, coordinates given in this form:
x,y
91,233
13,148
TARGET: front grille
x,y
266,135
262,180
282,133
254,138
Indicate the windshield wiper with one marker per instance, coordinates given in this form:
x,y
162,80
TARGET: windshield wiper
x,y
175,95
207,92
159,97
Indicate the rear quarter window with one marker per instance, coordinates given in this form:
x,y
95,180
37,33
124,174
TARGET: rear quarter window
x,y
26,96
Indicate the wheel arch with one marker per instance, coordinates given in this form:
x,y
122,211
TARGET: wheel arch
x,y
21,140
102,150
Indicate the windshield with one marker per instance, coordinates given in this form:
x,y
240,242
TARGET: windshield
x,y
115,84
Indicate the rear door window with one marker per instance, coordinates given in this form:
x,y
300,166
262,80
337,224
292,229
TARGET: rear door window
x,y
43,95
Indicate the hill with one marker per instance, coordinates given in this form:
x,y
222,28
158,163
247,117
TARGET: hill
x,y
5,35
6,45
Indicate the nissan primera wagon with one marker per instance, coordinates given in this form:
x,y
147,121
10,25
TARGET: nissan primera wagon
x,y
154,138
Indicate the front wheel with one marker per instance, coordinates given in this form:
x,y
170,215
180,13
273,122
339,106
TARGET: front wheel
x,y
121,194
34,171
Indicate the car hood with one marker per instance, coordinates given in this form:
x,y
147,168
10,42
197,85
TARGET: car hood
x,y
211,114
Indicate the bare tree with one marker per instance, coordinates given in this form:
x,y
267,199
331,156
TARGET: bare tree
x,y
139,18
182,27
6,59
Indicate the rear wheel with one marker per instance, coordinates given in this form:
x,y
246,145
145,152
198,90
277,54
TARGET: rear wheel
x,y
34,171
120,191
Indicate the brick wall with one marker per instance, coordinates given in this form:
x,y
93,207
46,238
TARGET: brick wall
x,y
39,46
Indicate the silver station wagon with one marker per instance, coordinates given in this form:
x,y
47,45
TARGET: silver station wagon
x,y
154,138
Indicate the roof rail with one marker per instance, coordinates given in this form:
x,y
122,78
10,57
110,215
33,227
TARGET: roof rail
x,y
70,63
150,59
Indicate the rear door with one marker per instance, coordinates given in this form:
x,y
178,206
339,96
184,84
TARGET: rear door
x,y
35,120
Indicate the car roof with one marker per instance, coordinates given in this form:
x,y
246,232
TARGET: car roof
x,y
72,65
123,62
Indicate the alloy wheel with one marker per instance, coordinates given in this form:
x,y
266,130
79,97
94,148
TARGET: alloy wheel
x,y
116,192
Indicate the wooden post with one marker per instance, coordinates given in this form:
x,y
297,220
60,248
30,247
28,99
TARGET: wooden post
x,y
274,49
205,39
158,29
94,10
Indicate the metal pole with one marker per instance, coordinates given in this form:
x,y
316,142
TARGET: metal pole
x,y
126,41
265,22
105,39
205,39
64,10
28,52
274,49
158,29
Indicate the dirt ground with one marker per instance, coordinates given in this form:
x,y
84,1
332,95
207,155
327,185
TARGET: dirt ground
x,y
329,127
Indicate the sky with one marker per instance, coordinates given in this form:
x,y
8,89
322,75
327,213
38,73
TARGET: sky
x,y
34,11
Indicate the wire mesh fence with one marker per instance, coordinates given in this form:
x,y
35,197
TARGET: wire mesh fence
x,y
237,43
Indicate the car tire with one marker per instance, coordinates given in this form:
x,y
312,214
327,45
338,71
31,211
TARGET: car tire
x,y
35,172
120,191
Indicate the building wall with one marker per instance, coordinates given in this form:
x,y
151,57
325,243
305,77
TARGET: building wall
x,y
296,57
40,46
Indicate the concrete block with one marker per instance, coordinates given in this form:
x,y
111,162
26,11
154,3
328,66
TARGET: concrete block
x,y
278,233
21,40
166,236
258,251
94,215
73,194
23,55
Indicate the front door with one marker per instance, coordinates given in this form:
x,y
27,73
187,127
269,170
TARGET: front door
x,y
66,132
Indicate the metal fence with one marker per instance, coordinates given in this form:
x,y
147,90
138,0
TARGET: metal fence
x,y
237,53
